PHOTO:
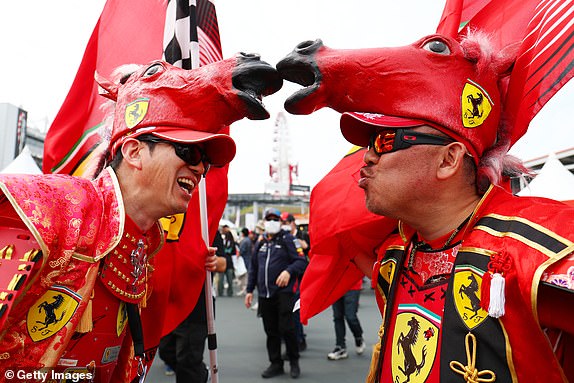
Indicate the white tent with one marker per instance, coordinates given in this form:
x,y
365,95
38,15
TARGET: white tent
x,y
23,164
553,181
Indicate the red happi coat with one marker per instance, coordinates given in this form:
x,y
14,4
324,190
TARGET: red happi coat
x,y
529,241
76,224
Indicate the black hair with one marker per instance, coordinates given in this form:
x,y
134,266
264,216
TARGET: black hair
x,y
115,163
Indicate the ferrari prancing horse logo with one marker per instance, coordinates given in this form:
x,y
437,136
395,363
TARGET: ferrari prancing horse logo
x,y
51,312
136,111
415,342
466,291
476,105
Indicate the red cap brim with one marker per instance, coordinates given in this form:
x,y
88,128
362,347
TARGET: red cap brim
x,y
357,128
219,148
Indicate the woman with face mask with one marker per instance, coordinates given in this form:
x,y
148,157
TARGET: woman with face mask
x,y
275,265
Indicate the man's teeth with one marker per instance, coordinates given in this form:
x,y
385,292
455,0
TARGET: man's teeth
x,y
186,183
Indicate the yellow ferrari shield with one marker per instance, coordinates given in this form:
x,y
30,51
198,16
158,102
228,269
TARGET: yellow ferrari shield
x,y
122,318
51,312
172,225
466,290
415,342
476,105
385,278
387,270
136,111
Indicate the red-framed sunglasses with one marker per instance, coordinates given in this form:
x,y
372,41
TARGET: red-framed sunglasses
x,y
391,140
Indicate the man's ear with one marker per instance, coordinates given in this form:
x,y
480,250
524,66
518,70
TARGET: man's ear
x,y
132,152
451,161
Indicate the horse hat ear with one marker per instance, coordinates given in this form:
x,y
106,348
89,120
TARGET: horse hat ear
x,y
505,59
107,89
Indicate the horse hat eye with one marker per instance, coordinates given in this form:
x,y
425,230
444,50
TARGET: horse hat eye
x,y
437,46
152,70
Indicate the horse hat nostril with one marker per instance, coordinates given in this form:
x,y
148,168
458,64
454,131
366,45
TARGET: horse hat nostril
x,y
252,56
307,47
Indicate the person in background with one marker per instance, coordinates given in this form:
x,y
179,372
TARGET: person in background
x,y
245,252
345,309
275,267
229,250
303,246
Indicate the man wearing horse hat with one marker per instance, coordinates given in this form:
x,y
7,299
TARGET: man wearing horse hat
x,y
78,254
474,284
472,273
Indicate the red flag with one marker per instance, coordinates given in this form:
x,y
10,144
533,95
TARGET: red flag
x,y
545,63
338,231
456,15
544,30
74,132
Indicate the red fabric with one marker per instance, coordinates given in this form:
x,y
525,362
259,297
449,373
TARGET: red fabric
x,y
74,130
456,15
340,227
544,58
188,275
543,66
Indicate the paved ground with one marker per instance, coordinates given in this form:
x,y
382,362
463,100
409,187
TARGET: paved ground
x,y
241,346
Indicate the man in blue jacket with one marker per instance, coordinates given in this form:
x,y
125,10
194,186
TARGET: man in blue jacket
x,y
275,265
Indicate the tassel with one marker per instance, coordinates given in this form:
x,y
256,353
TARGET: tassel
x,y
372,375
86,324
147,292
143,302
497,299
374,362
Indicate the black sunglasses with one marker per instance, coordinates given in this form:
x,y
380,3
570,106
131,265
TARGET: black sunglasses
x,y
391,140
191,154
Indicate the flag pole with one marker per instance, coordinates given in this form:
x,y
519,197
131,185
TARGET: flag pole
x,y
211,335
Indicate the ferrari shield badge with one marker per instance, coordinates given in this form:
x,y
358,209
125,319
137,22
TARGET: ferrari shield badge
x,y
466,290
385,277
122,318
51,312
476,105
415,342
136,111
173,225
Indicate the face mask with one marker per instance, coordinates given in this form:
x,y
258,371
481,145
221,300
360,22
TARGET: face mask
x,y
272,227
287,228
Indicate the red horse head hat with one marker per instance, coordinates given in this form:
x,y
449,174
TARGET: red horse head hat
x,y
191,106
454,86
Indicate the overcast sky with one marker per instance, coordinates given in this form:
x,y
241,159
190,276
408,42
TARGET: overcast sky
x,y
43,42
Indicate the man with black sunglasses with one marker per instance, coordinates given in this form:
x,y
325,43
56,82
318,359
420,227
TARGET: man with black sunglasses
x,y
79,254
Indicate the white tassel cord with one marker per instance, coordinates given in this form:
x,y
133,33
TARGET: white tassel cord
x,y
497,298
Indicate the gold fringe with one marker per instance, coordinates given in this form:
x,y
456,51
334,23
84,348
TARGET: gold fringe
x,y
143,302
375,357
86,323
